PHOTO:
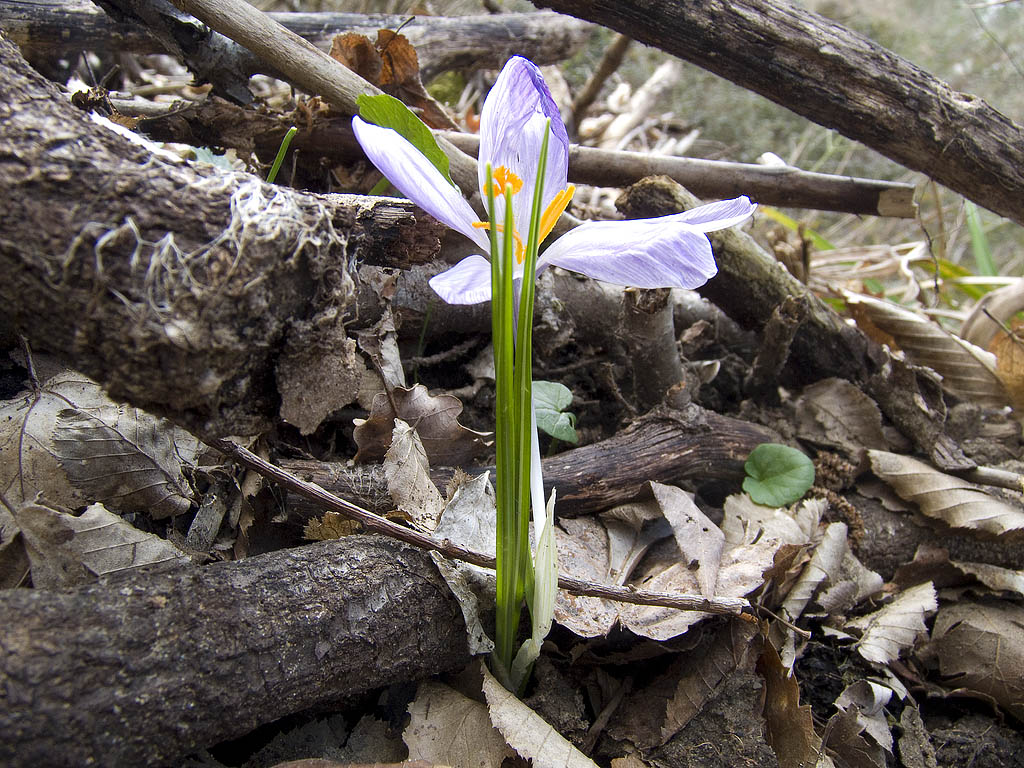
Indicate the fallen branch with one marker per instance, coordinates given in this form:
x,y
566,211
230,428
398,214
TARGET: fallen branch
x,y
50,30
325,500
785,186
148,668
839,79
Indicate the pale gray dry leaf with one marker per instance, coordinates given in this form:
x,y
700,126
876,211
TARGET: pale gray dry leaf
x,y
469,519
127,459
435,418
699,539
408,477
837,414
823,566
14,562
66,550
869,700
995,307
26,440
447,728
966,370
318,380
915,745
652,715
583,553
628,544
956,502
893,629
993,577
527,732
981,648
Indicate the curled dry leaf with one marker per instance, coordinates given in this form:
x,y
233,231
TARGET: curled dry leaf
x,y
435,418
868,700
127,459
993,577
66,550
447,728
527,732
823,566
956,502
890,631
837,414
789,723
981,648
967,370
699,539
408,477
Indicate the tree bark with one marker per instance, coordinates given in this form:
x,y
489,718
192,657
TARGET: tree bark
x,y
145,669
839,79
176,287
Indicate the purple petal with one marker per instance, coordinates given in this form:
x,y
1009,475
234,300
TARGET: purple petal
x,y
512,128
468,282
645,253
417,178
715,216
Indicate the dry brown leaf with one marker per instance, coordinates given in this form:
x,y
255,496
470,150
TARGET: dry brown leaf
x,y
583,553
790,724
630,536
895,628
993,577
991,310
408,476
981,648
956,502
330,526
823,566
527,732
127,459
448,728
392,65
837,414
66,550
966,370
316,380
847,742
435,419
14,562
652,715
868,700
1009,351
699,539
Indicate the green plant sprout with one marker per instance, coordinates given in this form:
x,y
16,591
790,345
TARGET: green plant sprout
x,y
281,152
522,171
777,475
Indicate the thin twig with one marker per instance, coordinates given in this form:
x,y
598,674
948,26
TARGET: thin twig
x,y
610,62
729,606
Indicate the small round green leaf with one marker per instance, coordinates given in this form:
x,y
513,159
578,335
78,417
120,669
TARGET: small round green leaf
x,y
777,475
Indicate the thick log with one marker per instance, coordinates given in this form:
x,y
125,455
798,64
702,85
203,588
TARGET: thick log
x,y
839,79
52,29
692,447
145,669
176,287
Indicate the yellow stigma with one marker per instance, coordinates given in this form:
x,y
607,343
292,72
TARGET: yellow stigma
x,y
504,176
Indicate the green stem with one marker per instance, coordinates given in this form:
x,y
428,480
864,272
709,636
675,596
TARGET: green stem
x,y
281,151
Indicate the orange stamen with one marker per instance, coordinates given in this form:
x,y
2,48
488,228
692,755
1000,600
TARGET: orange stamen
x,y
554,210
520,248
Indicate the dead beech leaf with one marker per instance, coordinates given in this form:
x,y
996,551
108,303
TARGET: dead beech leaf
x,y
895,628
127,459
846,740
789,723
447,728
699,539
837,413
993,577
527,732
315,380
956,502
331,526
14,562
981,648
583,552
823,565
868,701
966,370
652,715
435,419
392,65
1009,351
408,477
66,550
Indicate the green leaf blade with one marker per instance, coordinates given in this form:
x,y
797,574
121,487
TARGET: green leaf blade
x,y
777,475
550,399
388,112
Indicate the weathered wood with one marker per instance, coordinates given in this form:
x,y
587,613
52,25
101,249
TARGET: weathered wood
x,y
693,447
53,29
176,287
839,79
145,669
750,284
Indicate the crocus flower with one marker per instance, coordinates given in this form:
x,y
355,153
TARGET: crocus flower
x,y
665,252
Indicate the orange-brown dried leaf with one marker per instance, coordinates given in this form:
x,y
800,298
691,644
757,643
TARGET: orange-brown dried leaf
x,y
360,55
1009,351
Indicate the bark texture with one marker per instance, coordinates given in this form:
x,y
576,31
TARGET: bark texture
x,y
175,287
839,79
146,669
